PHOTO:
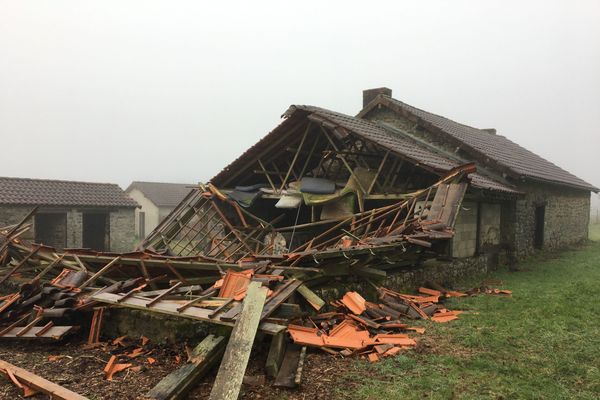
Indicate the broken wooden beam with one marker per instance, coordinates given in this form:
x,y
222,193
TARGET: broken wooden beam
x,y
315,301
40,384
289,367
276,353
178,383
231,372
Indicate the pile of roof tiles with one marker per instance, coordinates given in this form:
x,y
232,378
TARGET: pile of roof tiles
x,y
375,330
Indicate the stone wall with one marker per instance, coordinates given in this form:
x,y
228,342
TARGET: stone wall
x,y
490,226
446,273
74,228
10,215
122,229
122,225
464,242
567,217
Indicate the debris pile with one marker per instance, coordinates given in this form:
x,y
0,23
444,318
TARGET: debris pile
x,y
213,260
359,327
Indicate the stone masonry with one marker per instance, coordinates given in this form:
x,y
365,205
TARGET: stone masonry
x,y
122,225
122,229
567,216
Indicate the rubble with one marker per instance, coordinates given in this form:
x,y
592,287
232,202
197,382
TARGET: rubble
x,y
214,260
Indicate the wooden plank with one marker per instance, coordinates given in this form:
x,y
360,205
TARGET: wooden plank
x,y
54,332
298,376
367,272
163,294
231,372
279,297
287,372
287,311
101,272
40,384
315,301
178,383
220,308
170,307
276,353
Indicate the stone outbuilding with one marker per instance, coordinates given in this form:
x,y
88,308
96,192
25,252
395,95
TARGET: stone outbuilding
x,y
156,200
98,216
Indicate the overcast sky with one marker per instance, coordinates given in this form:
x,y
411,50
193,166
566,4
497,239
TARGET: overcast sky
x,y
115,91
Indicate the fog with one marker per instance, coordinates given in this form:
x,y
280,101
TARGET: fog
x,y
115,91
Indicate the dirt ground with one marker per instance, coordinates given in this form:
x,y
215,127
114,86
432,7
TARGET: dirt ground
x,y
80,370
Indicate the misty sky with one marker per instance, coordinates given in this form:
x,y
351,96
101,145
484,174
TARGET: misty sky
x,y
115,91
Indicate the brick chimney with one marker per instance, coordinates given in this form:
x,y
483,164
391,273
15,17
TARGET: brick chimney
x,y
370,94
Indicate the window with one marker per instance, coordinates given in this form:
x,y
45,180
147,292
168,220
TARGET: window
x,y
538,235
142,224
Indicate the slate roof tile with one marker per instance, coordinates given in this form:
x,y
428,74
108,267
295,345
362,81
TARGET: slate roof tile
x,y
162,194
499,148
25,191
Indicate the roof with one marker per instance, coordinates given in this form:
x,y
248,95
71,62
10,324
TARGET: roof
x,y
403,146
162,194
46,192
503,151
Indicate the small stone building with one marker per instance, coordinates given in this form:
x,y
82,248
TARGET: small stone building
x,y
156,200
98,216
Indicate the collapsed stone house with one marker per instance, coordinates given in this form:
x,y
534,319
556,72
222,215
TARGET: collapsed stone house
x,y
71,214
517,201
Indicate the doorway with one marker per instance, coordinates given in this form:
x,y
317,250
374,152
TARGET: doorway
x,y
538,238
95,233
51,229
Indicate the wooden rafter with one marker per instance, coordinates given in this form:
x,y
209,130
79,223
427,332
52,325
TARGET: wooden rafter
x,y
287,175
343,159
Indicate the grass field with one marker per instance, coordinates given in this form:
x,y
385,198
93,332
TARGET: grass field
x,y
543,343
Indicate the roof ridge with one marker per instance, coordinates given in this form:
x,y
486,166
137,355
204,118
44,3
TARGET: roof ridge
x,y
164,183
56,180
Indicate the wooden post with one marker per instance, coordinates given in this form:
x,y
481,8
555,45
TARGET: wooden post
x,y
276,352
179,382
231,372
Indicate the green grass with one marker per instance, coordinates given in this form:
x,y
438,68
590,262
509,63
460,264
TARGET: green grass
x,y
543,343
595,232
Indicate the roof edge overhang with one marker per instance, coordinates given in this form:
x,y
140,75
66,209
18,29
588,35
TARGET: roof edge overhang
x,y
589,188
69,205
